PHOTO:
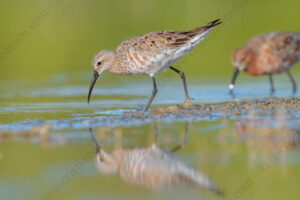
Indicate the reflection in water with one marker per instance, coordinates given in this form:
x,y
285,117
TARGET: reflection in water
x,y
151,167
262,135
37,134
268,140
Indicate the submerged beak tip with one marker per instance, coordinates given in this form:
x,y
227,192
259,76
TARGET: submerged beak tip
x,y
94,79
235,74
88,100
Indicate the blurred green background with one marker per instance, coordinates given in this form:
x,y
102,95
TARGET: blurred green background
x,y
68,33
43,39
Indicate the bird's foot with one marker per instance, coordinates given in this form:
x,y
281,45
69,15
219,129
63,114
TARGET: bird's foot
x,y
272,92
294,90
188,103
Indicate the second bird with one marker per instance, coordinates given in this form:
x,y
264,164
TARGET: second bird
x,y
149,54
268,54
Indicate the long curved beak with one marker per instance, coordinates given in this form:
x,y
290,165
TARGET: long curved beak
x,y
235,74
94,79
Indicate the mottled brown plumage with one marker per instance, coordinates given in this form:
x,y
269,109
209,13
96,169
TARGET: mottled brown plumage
x,y
150,54
268,54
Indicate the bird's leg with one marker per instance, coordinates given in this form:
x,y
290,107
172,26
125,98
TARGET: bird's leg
x,y
293,82
187,97
184,139
272,84
154,91
176,148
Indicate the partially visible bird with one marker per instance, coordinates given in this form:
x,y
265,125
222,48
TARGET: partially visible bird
x,y
151,167
268,54
149,54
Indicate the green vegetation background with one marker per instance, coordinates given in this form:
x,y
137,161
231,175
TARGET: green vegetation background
x,y
65,40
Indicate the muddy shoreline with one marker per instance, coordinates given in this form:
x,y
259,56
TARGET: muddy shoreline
x,y
267,108
264,107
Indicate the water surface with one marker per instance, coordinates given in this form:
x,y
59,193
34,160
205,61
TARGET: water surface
x,y
47,153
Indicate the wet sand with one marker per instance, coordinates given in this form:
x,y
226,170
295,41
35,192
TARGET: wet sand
x,y
267,107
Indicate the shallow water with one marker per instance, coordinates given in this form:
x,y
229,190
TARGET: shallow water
x,y
46,151
250,150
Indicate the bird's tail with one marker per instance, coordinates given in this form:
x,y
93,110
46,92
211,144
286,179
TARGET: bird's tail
x,y
205,182
211,24
202,29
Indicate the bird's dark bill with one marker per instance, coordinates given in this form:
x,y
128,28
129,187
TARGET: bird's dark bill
x,y
235,74
94,79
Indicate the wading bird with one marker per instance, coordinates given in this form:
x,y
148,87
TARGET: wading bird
x,y
268,54
149,54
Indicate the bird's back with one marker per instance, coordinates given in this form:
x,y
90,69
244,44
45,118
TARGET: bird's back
x,y
276,51
154,52
156,168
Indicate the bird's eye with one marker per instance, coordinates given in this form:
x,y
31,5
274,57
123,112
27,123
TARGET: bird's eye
x,y
98,63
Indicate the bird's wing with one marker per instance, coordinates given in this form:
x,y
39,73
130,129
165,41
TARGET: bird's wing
x,y
286,45
156,168
182,37
151,47
155,41
151,51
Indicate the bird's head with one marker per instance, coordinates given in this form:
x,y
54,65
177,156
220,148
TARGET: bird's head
x,y
102,61
106,163
241,60
242,57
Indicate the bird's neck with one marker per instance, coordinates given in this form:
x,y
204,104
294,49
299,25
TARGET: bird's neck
x,y
118,154
254,69
118,68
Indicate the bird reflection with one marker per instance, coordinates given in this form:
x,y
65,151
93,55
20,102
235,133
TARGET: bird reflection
x,y
151,167
268,141
263,134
